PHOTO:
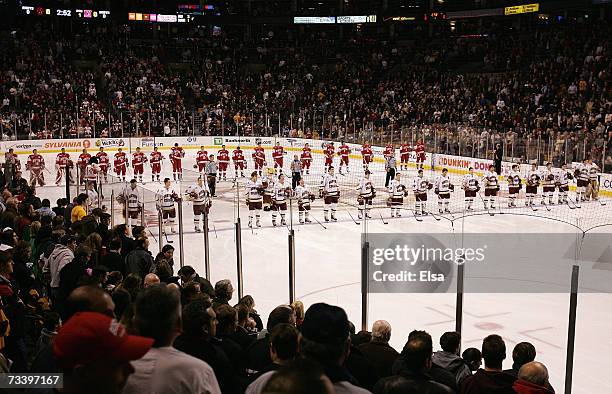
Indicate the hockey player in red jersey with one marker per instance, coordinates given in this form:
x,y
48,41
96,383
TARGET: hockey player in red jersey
x,y
103,161
306,158
201,160
329,155
420,154
120,164
405,149
259,158
138,160
155,161
36,166
344,151
366,154
239,161
389,151
176,157
62,164
82,162
277,156
223,159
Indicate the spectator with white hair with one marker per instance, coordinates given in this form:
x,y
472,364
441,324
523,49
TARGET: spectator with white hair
x,y
378,350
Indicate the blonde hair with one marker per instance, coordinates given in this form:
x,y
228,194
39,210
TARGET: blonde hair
x,y
298,308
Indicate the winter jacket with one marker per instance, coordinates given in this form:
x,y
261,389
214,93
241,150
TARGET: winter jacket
x,y
452,363
410,382
59,258
139,261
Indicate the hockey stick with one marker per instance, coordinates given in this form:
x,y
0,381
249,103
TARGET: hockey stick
x,y
418,219
433,216
349,213
381,218
317,220
485,205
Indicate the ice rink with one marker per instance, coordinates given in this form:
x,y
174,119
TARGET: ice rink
x,y
328,267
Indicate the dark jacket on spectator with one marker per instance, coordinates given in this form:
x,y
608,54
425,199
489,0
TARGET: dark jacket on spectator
x,y
7,219
71,275
258,354
362,369
114,262
127,245
208,349
14,310
139,261
381,355
436,373
410,382
242,337
485,382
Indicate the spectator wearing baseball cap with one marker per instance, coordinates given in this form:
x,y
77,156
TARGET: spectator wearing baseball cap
x,y
94,352
326,340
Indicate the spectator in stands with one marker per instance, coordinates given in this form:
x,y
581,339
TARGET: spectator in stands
x,y
14,309
139,261
51,324
448,358
249,302
437,374
167,254
523,353
326,340
532,379
284,341
164,272
113,260
223,292
94,353
378,350
417,354
242,336
60,209
298,308
150,279
62,254
164,369
45,209
473,358
227,321
80,208
121,231
258,354
491,379
198,340
73,272
300,377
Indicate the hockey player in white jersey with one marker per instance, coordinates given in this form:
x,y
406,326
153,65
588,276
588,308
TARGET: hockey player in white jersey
x,y
367,192
330,192
267,179
514,185
166,197
397,192
304,198
592,191
533,182
282,190
548,184
254,192
491,185
199,195
471,186
443,188
420,186
132,203
562,178
583,181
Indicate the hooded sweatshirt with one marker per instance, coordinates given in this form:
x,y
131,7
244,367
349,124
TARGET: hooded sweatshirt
x,y
60,257
452,363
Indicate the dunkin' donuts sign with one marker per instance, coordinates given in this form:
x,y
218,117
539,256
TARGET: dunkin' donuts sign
x,y
462,162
